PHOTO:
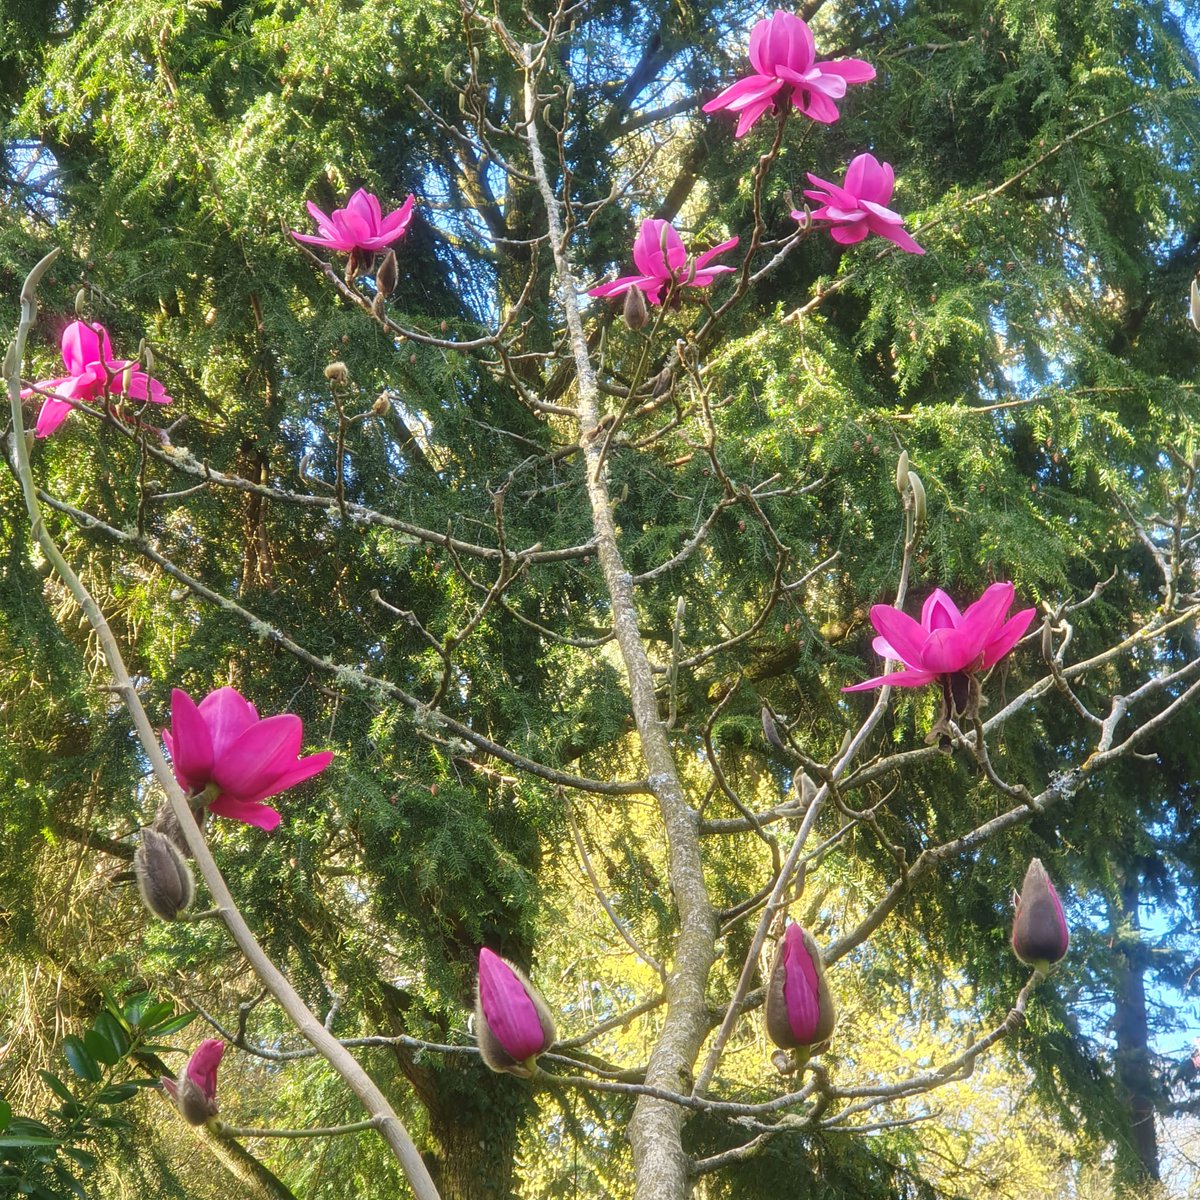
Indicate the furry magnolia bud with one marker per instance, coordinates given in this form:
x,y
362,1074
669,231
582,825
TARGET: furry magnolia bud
x,y
513,1024
194,1090
386,276
163,877
382,405
338,374
635,312
799,1011
1040,936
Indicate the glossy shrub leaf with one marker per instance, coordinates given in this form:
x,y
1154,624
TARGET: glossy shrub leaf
x,y
80,1060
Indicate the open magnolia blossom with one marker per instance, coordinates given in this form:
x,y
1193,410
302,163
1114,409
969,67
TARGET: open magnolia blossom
x,y
660,256
92,373
799,1012
194,1090
784,57
1040,936
859,205
947,646
231,759
513,1024
359,229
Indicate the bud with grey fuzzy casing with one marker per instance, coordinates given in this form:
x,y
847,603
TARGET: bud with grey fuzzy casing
x,y
513,1024
799,1010
194,1089
163,877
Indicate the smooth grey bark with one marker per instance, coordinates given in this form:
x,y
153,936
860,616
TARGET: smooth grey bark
x,y
661,1169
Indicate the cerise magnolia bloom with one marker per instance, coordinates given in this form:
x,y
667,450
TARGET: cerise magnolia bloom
x,y
1040,936
799,1010
194,1090
859,205
946,642
513,1025
660,256
232,759
92,372
360,226
784,57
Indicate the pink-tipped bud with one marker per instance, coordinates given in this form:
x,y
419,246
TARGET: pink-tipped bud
x,y
799,1009
1040,936
512,1022
194,1090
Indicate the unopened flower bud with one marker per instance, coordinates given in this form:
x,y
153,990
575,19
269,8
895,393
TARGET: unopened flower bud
x,y
920,510
1040,936
382,405
338,374
770,730
902,473
81,302
512,1022
636,313
386,276
127,379
194,1090
163,877
1194,305
799,1010
146,356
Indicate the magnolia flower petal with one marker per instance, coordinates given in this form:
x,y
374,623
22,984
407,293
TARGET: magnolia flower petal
x,y
704,259
983,618
939,612
905,634
852,70
830,193
750,115
202,1066
228,714
894,233
83,346
395,224
949,650
324,221
1007,636
330,242
881,214
190,743
815,106
907,678
249,767
848,234
261,816
53,412
869,179
297,772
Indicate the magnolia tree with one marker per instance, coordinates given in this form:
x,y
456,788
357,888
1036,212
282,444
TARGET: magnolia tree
x,y
553,664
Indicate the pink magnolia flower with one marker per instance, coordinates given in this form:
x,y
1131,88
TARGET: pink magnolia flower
x,y
194,1090
784,57
1040,936
799,1009
361,225
92,372
513,1025
946,642
222,750
859,206
658,252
